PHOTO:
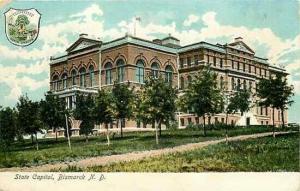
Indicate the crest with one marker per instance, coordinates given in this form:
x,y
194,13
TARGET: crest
x,y
22,26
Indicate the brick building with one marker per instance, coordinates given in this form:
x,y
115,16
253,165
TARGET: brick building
x,y
90,64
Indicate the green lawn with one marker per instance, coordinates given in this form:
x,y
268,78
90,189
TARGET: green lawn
x,y
261,154
50,151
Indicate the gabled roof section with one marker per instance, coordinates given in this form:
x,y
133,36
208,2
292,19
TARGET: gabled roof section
x,y
240,45
82,43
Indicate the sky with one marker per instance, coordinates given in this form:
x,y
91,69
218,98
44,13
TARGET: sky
x,y
271,28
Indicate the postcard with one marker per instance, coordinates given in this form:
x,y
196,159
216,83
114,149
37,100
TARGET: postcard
x,y
150,95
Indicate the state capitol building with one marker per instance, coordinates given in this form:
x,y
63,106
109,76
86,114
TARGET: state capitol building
x,y
90,64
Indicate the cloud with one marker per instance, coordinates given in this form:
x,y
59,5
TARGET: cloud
x,y
4,2
190,20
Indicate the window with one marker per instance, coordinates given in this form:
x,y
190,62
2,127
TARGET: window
x,y
207,59
232,64
189,78
266,112
182,122
181,62
108,73
169,74
196,59
238,66
139,73
197,120
215,61
249,68
189,61
232,83
216,120
260,71
244,85
238,84
244,67
181,83
92,75
120,70
261,110
82,77
155,70
189,120
250,85
55,82
221,82
73,74
221,63
64,80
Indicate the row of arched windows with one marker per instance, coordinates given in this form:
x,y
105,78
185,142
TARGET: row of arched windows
x,y
108,67
74,74
139,72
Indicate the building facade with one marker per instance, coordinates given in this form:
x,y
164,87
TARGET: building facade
x,y
89,65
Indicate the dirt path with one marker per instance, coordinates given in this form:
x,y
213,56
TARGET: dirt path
x,y
104,160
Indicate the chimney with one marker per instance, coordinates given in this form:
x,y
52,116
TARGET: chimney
x,y
82,35
238,39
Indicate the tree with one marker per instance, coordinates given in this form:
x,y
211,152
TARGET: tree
x,y
239,101
52,112
275,93
29,117
158,102
104,110
203,95
123,98
84,112
8,128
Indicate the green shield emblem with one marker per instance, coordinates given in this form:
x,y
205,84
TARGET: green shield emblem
x,y
22,26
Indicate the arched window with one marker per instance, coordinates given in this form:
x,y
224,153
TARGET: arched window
x,y
155,70
73,74
64,80
181,83
120,70
55,82
238,84
82,77
189,78
92,75
169,74
139,73
221,82
108,73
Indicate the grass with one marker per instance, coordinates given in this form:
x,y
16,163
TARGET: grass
x,y
261,154
24,153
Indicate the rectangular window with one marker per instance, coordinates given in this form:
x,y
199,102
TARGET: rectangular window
x,y
216,120
181,62
189,120
197,120
221,63
266,111
208,59
232,64
189,61
196,59
238,66
181,122
215,61
244,67
249,68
